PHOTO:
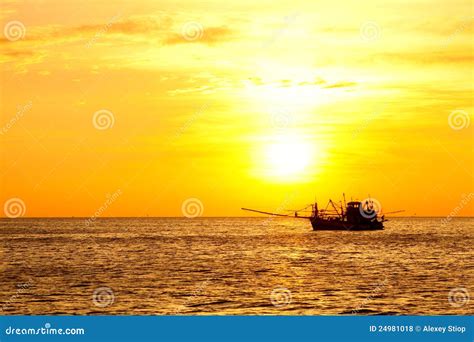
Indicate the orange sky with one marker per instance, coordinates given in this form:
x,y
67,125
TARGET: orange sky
x,y
129,108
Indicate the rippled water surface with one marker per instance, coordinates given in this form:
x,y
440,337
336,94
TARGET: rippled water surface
x,y
234,266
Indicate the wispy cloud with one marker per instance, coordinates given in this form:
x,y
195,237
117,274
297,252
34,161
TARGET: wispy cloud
x,y
116,32
430,57
147,26
340,85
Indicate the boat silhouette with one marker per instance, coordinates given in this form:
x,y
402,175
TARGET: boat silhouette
x,y
355,215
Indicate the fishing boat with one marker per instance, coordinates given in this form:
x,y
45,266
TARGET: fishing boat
x,y
354,215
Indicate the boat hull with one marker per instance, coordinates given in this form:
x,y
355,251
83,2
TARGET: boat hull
x,y
320,224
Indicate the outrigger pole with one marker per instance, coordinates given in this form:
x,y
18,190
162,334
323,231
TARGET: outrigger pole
x,y
335,208
275,214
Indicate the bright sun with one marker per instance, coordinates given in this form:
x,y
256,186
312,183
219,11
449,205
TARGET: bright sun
x,y
287,156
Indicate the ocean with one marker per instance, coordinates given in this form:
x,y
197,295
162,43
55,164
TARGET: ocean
x,y
234,266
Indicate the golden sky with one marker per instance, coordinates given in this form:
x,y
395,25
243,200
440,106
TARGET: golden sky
x,y
131,108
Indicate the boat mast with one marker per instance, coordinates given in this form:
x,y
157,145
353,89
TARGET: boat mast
x,y
345,205
335,208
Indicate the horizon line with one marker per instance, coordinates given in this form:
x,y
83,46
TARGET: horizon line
x,y
184,217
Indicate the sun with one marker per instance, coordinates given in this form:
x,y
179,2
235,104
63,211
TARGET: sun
x,y
287,157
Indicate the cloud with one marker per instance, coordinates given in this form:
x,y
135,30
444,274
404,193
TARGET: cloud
x,y
318,82
340,85
18,54
146,26
40,42
135,26
116,31
150,28
448,57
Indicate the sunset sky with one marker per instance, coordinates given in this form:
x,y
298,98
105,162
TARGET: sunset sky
x,y
138,106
